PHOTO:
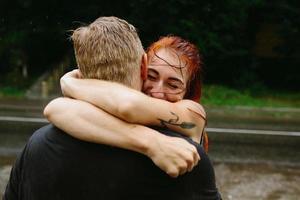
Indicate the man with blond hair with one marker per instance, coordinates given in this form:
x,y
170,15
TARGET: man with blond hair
x,y
53,165
109,49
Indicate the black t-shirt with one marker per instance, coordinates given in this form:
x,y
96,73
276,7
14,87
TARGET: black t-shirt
x,y
54,165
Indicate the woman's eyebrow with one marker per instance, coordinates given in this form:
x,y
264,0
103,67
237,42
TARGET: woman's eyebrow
x,y
153,71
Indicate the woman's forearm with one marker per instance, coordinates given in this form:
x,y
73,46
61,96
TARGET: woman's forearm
x,y
114,98
135,107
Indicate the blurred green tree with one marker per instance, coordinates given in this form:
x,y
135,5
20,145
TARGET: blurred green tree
x,y
230,33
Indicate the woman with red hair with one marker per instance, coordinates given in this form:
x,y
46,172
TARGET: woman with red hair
x,y
189,61
172,88
186,53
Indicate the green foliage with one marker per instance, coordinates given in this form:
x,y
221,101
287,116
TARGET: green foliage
x,y
11,92
258,97
35,34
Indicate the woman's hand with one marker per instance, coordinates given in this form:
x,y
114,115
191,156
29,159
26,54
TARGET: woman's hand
x,y
173,155
66,79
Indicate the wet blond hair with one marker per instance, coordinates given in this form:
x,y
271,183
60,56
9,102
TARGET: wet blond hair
x,y
108,49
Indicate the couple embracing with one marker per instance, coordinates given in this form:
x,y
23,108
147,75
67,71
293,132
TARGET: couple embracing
x,y
128,127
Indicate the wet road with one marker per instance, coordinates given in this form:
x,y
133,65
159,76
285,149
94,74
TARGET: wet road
x,y
258,181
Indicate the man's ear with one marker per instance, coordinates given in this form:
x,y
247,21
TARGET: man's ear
x,y
144,67
78,73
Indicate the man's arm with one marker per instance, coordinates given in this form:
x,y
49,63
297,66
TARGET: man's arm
x,y
86,122
186,117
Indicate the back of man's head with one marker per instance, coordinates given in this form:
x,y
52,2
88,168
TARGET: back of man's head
x,y
109,49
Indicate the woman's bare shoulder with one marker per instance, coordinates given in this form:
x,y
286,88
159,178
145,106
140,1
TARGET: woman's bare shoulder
x,y
193,107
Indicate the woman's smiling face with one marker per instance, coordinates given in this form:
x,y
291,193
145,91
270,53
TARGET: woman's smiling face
x,y
167,76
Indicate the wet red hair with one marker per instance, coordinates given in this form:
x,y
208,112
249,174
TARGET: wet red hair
x,y
187,52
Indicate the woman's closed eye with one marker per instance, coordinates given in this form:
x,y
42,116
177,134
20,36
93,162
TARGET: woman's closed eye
x,y
173,86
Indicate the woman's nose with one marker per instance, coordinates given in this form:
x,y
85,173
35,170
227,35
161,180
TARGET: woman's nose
x,y
157,91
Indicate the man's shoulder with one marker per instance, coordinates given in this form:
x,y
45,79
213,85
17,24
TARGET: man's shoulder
x,y
50,137
44,130
44,133
52,133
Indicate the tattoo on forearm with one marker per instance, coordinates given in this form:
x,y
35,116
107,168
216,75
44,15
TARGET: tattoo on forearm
x,y
174,122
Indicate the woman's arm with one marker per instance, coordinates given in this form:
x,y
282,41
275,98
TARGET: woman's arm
x,y
86,122
186,117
